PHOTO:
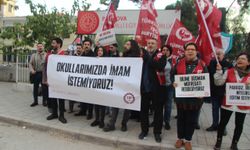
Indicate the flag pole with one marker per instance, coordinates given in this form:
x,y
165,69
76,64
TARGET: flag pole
x,y
170,30
137,25
208,33
138,21
106,14
230,6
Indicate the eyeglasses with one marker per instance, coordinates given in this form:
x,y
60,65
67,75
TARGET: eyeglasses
x,y
190,49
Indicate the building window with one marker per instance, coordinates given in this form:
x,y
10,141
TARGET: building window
x,y
10,8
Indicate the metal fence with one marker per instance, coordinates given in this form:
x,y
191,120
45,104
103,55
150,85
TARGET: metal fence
x,y
14,66
22,68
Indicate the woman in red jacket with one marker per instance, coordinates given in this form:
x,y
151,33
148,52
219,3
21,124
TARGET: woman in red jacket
x,y
238,74
188,108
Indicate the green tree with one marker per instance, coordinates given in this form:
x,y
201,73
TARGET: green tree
x,y
117,2
245,10
107,2
188,14
44,25
235,25
79,6
245,5
248,43
19,33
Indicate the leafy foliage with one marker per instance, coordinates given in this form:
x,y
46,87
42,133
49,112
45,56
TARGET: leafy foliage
x,y
77,6
117,2
241,40
107,2
42,26
45,25
245,5
188,14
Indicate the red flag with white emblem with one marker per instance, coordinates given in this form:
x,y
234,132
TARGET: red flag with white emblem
x,y
107,34
209,38
178,37
110,18
147,27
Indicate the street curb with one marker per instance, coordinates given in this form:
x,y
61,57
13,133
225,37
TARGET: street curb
x,y
118,142
87,136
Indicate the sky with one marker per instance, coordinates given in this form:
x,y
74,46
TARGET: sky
x,y
124,4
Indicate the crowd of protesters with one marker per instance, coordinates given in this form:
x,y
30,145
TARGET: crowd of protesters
x,y
157,90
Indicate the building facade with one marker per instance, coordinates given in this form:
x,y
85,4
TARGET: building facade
x,y
7,8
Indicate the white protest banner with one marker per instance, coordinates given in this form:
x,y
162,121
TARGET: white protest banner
x,y
192,85
111,82
237,94
106,37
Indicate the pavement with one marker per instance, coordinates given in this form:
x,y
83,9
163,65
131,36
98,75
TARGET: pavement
x,y
14,109
29,139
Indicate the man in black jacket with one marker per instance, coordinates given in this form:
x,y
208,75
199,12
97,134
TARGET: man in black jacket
x,y
55,102
217,92
113,50
84,107
155,62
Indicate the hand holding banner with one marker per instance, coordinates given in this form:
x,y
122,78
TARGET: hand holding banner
x,y
111,82
106,37
237,94
192,85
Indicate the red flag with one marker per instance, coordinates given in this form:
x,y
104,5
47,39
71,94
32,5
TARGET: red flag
x,y
178,37
110,19
209,18
147,27
77,40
